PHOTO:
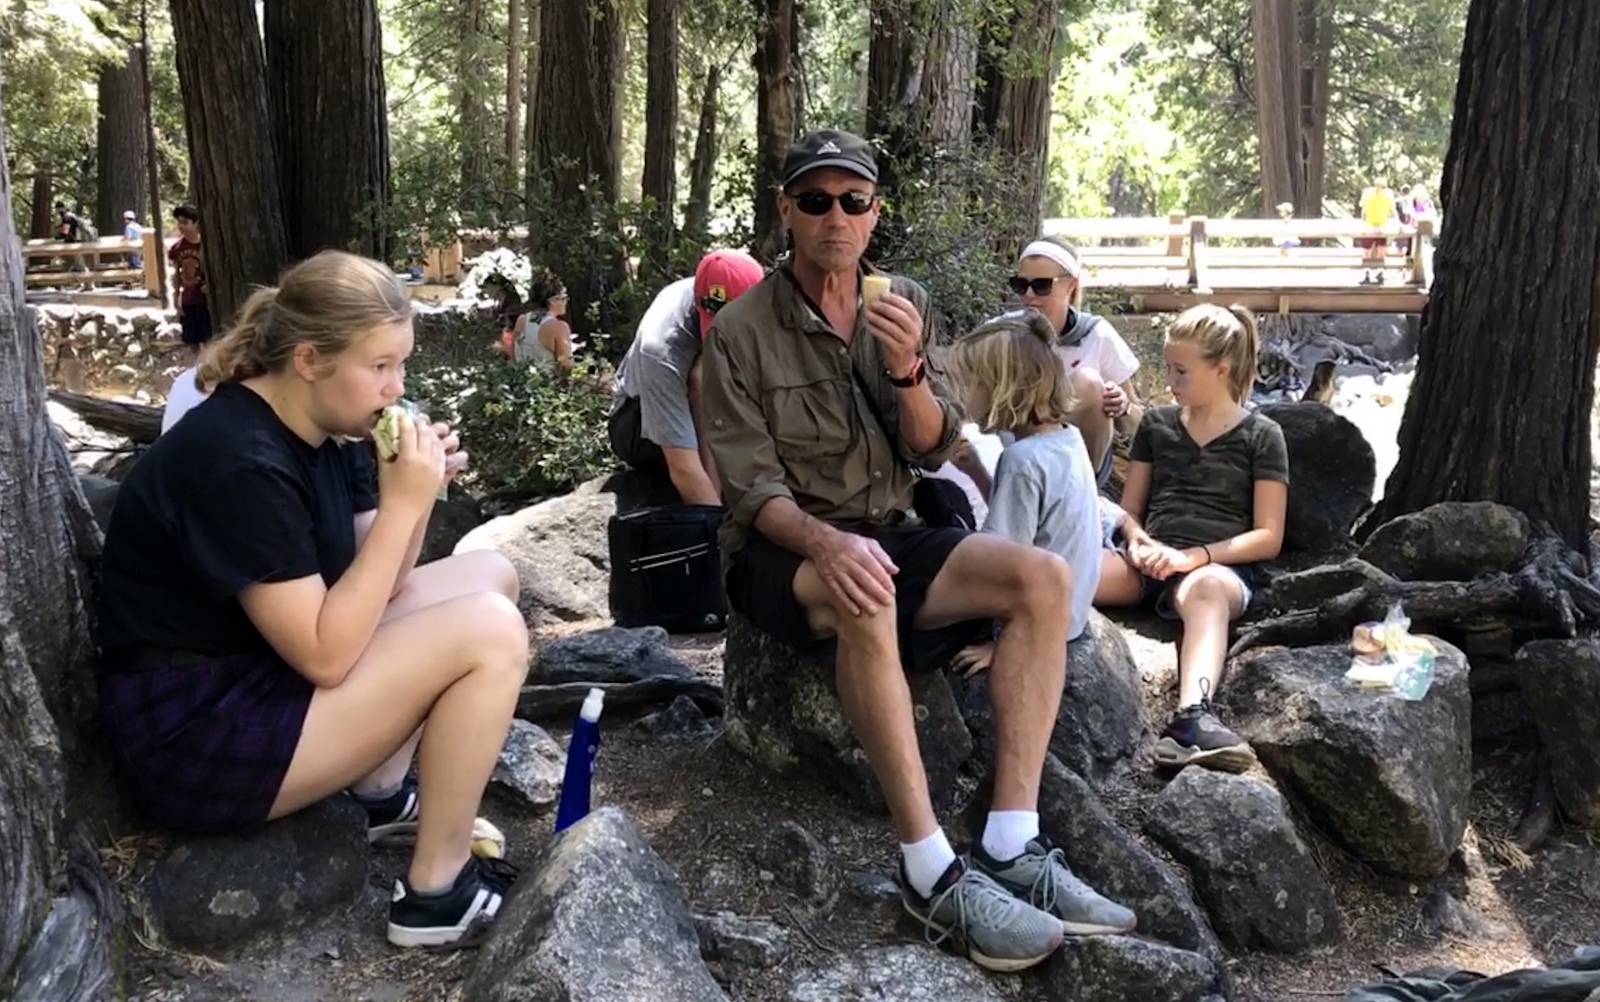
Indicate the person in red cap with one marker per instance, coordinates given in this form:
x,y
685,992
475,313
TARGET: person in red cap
x,y
654,424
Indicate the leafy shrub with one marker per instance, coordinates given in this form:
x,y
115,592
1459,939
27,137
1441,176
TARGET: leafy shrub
x,y
531,434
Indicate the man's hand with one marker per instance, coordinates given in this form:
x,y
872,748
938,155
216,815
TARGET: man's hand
x,y
897,325
1114,401
855,568
973,659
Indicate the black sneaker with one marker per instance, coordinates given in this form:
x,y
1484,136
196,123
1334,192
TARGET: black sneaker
x,y
457,916
1194,736
393,821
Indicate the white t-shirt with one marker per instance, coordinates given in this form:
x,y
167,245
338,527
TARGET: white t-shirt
x,y
1045,495
1104,350
988,448
184,397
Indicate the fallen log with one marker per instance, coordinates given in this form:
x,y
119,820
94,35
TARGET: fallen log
x,y
562,699
139,422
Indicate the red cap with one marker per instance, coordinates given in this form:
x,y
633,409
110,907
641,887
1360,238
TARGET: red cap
x,y
722,277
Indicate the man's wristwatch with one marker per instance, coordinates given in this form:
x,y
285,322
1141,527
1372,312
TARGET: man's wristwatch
x,y
912,378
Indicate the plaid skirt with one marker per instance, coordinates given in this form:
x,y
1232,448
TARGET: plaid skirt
x,y
203,744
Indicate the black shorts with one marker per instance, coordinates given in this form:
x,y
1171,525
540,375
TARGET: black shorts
x,y
195,320
626,428
761,588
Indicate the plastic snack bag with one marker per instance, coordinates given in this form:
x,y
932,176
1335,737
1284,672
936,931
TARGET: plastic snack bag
x,y
1389,658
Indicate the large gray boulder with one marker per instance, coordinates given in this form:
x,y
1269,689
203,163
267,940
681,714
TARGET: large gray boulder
x,y
1102,720
783,711
893,974
609,654
1258,881
211,892
1332,469
1449,541
1388,779
1560,681
561,553
1121,969
598,917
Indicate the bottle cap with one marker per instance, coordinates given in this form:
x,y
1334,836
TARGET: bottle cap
x,y
592,705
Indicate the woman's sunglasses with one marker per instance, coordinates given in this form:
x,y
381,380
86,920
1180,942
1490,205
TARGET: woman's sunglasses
x,y
820,203
1040,286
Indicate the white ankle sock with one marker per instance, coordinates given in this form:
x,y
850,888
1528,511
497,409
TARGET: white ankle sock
x,y
1006,833
927,860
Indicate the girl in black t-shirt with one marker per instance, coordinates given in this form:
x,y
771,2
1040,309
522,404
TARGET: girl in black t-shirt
x,y
267,640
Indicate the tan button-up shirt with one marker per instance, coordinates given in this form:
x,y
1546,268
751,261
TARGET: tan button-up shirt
x,y
787,412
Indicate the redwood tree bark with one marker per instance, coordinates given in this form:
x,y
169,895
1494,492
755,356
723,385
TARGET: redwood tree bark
x,y
514,89
331,123
1500,409
703,162
1014,102
1275,31
775,120
57,913
119,144
222,73
660,181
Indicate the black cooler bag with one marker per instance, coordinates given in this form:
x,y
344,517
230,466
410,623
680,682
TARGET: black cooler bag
x,y
666,569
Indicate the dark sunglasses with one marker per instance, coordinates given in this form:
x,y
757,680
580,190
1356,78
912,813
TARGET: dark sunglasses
x,y
820,203
711,305
1040,286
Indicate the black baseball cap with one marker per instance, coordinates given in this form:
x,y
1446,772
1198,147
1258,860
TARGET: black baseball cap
x,y
830,148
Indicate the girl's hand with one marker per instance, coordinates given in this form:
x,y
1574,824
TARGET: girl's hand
x,y
1114,402
973,659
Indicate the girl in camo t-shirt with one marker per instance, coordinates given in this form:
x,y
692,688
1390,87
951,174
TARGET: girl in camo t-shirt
x,y
1206,495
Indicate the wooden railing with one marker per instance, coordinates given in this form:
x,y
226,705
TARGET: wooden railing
x,y
60,257
1164,264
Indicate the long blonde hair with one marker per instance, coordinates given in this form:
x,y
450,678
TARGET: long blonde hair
x,y
328,301
1223,334
1009,359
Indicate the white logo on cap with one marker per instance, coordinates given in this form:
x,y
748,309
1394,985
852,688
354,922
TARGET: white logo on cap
x,y
828,147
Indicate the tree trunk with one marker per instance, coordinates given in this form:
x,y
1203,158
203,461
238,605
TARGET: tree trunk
x,y
949,80
530,99
41,224
893,60
222,74
472,84
702,165
574,173
1501,406
1274,29
611,56
1013,108
797,70
58,915
119,144
775,126
514,88
325,75
660,182
1316,58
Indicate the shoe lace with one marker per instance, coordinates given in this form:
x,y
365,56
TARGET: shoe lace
x,y
976,897
1047,885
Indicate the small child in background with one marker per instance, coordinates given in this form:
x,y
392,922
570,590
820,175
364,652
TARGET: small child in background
x,y
1043,492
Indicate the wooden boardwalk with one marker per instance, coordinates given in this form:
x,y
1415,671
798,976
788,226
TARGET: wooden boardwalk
x,y
1162,265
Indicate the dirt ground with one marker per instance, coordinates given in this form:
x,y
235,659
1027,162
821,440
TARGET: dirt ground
x,y
707,810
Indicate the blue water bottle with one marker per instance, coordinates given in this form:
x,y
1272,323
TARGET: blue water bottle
x,y
575,782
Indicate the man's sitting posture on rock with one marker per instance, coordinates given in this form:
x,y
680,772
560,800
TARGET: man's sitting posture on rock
x,y
818,403
654,422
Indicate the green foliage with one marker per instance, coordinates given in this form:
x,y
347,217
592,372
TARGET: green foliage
x,y
530,433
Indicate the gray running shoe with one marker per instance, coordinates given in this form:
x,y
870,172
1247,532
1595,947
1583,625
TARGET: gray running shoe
x,y
1041,877
992,927
1194,736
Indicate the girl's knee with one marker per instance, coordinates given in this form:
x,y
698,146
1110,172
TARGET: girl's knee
x,y
493,570
494,625
1207,591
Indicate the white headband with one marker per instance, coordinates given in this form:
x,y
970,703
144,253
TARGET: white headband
x,y
1055,252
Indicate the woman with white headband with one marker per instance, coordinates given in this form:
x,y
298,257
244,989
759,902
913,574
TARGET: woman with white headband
x,y
1096,357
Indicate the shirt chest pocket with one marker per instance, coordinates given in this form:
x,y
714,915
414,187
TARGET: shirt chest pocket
x,y
811,419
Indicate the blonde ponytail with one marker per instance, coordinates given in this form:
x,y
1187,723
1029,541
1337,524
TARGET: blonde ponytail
x,y
233,357
1223,334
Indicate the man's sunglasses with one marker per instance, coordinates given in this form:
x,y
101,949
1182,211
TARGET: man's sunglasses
x,y
820,203
1040,286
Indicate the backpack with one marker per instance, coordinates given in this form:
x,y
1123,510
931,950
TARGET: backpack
x,y
666,569
87,230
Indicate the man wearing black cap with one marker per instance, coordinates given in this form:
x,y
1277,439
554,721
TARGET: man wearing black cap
x,y
819,404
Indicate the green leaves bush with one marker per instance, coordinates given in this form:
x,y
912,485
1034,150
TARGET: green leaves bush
x,y
531,434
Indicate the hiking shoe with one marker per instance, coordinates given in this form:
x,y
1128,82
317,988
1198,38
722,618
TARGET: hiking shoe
x,y
1194,736
993,928
1041,877
457,916
393,821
